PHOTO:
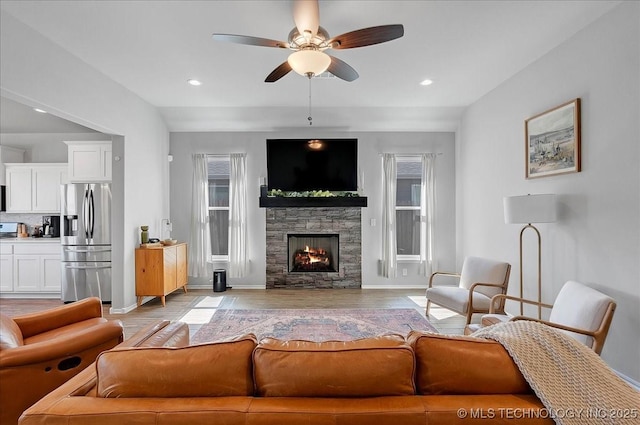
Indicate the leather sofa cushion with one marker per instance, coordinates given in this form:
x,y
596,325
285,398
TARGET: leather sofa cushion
x,y
10,334
464,365
369,367
216,369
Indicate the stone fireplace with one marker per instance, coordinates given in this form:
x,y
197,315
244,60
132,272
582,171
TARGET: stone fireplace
x,y
325,241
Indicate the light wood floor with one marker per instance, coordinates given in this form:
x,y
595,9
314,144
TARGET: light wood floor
x,y
196,306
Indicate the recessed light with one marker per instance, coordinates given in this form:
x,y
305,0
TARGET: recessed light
x,y
194,82
426,82
42,111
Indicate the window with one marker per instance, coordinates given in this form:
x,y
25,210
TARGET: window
x,y
408,181
218,171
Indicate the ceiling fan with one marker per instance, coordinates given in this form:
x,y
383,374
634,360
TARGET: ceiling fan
x,y
309,41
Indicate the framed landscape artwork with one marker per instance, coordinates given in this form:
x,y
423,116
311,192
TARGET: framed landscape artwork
x,y
552,141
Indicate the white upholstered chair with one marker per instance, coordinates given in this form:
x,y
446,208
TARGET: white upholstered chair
x,y
580,311
479,280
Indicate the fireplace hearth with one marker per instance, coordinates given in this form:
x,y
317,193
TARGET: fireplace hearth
x,y
309,253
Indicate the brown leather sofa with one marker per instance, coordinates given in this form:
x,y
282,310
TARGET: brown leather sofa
x,y
40,351
423,379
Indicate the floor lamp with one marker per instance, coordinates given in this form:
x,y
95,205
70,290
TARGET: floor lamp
x,y
526,210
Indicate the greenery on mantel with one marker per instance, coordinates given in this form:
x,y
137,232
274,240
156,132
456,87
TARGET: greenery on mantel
x,y
312,194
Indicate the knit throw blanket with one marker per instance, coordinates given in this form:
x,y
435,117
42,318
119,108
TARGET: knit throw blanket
x,y
575,385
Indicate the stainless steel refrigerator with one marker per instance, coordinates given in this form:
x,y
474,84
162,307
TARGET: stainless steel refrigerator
x,y
86,241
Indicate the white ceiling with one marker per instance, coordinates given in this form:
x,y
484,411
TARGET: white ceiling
x,y
152,47
18,118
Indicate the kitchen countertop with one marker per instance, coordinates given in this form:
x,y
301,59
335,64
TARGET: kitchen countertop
x,y
30,240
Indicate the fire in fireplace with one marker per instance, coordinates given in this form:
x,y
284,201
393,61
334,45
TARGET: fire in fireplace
x,y
313,252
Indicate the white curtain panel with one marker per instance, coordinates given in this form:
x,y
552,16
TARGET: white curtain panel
x,y
427,213
199,235
238,262
389,244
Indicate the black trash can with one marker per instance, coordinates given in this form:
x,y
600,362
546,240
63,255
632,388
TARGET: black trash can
x,y
219,280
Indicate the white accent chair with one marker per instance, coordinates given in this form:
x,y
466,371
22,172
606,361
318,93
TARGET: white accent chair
x,y
580,311
479,280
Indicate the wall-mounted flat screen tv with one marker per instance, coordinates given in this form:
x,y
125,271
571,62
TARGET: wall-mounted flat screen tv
x,y
312,164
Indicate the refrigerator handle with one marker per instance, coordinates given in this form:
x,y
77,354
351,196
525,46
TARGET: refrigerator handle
x,y
87,251
92,215
85,213
86,267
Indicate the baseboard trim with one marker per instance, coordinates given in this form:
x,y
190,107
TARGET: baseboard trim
x,y
394,286
30,295
635,384
123,310
234,286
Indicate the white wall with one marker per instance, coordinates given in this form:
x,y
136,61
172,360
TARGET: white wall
x,y
38,72
596,239
370,146
46,147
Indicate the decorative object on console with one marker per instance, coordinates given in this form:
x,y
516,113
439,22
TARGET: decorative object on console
x,y
144,234
552,141
526,210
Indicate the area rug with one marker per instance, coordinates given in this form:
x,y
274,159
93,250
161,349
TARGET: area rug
x,y
312,324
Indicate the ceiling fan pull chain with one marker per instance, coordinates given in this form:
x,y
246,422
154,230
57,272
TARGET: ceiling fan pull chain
x,y
309,117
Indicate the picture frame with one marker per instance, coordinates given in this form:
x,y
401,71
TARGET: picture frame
x,y
552,141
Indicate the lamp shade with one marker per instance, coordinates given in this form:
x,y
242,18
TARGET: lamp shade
x,y
530,209
306,62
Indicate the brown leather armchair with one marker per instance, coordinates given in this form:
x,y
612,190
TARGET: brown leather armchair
x,y
41,351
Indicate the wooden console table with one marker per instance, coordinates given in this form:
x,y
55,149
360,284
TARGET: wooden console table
x,y
160,271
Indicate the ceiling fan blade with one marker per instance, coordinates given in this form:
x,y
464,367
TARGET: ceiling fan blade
x,y
283,69
342,70
251,41
306,15
367,36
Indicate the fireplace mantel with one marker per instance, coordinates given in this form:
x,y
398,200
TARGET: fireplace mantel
x,y
311,202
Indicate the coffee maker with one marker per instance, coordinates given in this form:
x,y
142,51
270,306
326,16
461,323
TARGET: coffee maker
x,y
51,226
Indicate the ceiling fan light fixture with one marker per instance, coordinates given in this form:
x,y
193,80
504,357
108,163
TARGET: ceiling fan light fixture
x,y
309,62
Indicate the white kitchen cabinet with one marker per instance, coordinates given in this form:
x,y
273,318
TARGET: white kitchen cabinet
x,y
35,268
9,154
51,278
27,273
6,267
46,188
18,188
89,162
34,188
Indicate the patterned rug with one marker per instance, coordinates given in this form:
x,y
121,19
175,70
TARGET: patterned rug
x,y
311,325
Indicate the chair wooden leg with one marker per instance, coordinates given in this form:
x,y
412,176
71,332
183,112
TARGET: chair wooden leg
x,y
469,316
428,306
